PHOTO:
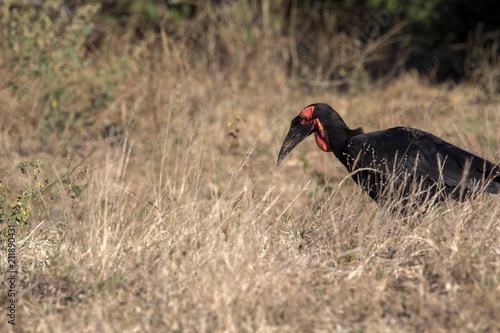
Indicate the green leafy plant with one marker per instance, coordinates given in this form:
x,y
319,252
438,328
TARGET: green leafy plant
x,y
36,194
19,210
48,45
22,207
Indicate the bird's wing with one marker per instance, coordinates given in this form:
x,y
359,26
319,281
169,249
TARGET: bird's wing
x,y
398,152
455,166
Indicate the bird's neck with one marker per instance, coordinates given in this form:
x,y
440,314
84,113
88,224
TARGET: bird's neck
x,y
338,138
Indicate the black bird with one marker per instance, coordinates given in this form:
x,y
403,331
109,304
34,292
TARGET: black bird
x,y
396,163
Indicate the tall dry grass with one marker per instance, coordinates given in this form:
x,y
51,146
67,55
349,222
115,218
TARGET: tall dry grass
x,y
185,224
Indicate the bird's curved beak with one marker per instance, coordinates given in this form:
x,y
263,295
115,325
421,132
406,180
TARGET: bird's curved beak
x,y
296,134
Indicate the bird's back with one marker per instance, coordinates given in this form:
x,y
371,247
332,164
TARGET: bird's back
x,y
403,155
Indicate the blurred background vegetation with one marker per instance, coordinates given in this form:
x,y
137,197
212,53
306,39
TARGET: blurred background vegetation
x,y
71,58
442,38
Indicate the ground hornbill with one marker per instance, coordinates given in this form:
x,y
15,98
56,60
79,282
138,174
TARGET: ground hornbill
x,y
400,163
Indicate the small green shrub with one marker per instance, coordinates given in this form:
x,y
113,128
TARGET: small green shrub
x,y
37,195
19,210
46,48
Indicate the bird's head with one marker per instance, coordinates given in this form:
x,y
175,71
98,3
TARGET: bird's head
x,y
310,120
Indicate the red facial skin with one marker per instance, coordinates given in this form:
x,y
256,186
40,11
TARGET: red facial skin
x,y
305,117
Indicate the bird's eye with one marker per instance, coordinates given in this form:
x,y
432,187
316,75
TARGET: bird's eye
x,y
303,119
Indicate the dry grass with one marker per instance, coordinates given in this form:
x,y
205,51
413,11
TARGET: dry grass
x,y
187,225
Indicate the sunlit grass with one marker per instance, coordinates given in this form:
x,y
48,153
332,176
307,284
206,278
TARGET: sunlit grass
x,y
184,222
